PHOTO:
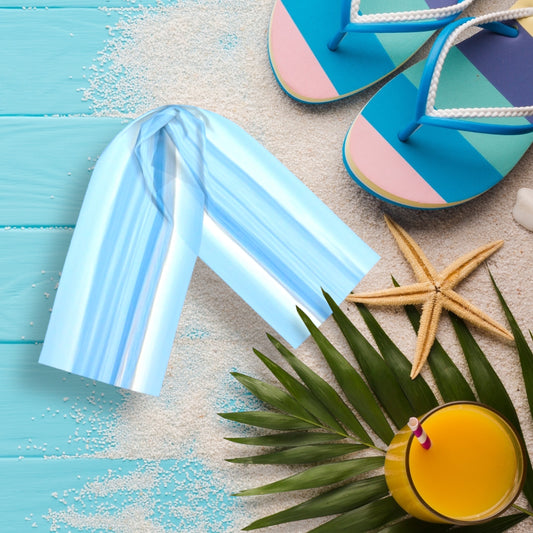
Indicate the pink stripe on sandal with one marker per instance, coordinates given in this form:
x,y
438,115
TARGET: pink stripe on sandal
x,y
396,178
300,67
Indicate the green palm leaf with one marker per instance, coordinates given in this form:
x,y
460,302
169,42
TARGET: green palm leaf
x,y
312,453
324,392
365,518
268,420
524,351
376,371
315,424
498,525
353,386
413,525
319,476
302,394
418,393
336,501
489,387
452,385
275,397
526,362
296,438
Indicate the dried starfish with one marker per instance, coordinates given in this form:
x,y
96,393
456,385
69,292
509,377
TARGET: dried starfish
x,y
435,291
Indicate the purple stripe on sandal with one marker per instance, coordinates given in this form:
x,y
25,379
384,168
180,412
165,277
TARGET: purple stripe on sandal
x,y
507,62
433,4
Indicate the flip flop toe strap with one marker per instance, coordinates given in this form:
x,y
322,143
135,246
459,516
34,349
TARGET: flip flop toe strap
x,y
352,20
461,118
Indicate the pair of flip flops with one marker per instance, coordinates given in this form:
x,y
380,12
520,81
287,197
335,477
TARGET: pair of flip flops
x,y
443,131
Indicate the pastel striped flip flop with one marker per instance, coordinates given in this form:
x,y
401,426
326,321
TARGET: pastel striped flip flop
x,y
448,129
323,50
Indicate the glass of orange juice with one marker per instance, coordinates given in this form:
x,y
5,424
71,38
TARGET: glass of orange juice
x,y
473,470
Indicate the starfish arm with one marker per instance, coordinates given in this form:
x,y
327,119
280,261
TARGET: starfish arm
x,y
466,264
404,295
422,268
429,322
465,310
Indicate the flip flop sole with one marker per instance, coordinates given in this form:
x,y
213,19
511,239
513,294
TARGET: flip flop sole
x,y
308,71
440,167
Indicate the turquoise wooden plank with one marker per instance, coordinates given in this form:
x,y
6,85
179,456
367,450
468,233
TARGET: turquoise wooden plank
x,y
7,4
30,263
44,168
46,412
45,165
99,494
35,488
47,56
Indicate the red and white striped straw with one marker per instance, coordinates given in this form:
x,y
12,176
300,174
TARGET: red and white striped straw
x,y
419,433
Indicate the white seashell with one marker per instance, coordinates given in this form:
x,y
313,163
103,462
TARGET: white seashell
x,y
523,208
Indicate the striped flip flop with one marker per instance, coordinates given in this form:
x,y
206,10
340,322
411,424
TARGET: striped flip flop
x,y
323,50
448,129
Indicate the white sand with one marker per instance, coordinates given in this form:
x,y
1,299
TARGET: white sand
x,y
213,54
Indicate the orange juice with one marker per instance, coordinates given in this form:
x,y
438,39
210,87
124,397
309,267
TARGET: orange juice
x,y
473,470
